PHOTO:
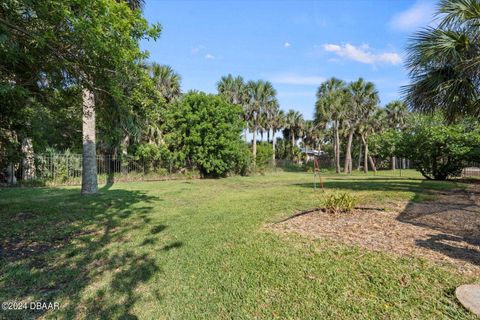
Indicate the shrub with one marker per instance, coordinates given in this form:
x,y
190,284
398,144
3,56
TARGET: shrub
x,y
342,202
206,130
264,154
439,150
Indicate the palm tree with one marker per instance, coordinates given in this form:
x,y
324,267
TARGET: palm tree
x,y
330,107
396,114
294,123
235,91
260,96
360,98
278,122
167,81
372,121
444,62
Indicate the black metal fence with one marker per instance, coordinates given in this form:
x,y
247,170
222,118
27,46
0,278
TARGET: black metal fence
x,y
66,169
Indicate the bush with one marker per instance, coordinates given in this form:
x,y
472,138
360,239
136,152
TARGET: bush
x,y
206,131
342,202
264,154
439,150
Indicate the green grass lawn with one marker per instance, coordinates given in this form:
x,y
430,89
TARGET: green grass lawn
x,y
199,249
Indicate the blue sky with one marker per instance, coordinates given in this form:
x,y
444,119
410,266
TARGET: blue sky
x,y
294,44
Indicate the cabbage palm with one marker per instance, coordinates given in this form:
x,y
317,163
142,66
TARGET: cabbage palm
x,y
278,123
444,62
373,121
294,123
235,91
396,116
361,98
330,107
260,96
167,81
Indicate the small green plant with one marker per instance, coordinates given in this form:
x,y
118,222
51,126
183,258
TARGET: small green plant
x,y
342,202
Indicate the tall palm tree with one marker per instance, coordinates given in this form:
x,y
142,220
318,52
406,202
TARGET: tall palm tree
x,y
260,96
360,97
278,123
373,121
330,106
294,123
444,62
235,91
167,81
396,114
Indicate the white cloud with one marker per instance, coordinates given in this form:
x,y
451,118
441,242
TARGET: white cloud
x,y
209,56
420,14
296,79
362,54
287,44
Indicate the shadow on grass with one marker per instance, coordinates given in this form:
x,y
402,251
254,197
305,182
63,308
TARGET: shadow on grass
x,y
56,245
420,188
436,205
455,216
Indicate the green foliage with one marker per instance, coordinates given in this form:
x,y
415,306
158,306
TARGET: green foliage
x,y
205,130
264,154
153,157
439,150
341,202
384,144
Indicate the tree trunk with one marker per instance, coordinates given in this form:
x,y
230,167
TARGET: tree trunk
x,y
359,165
268,135
261,135
124,160
365,155
394,163
348,155
254,146
293,143
89,153
28,164
337,143
273,148
372,163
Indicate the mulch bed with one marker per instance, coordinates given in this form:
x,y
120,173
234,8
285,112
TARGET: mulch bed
x,y
446,230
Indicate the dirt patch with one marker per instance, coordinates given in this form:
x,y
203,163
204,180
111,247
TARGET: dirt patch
x,y
445,230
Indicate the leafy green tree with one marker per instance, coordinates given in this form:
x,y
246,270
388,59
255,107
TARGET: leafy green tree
x,y
206,131
439,150
92,44
444,62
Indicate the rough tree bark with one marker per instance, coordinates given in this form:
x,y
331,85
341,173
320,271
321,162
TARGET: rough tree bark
x,y
348,155
337,149
273,147
365,155
28,163
359,165
89,153
254,145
